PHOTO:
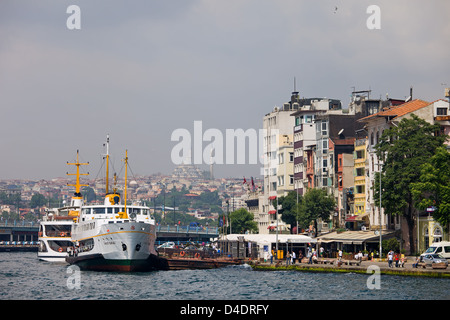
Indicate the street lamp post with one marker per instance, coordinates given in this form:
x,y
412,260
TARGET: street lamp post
x,y
379,216
276,219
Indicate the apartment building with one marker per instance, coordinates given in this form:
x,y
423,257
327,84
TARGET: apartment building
x,y
278,167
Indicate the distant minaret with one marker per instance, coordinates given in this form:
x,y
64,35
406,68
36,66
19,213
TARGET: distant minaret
x,y
211,175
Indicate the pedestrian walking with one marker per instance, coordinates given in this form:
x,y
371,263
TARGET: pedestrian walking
x,y
288,258
271,256
416,264
390,257
340,254
396,258
293,256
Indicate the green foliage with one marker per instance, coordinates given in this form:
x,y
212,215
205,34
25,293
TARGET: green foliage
x,y
242,221
173,198
316,204
433,188
11,199
89,194
37,200
288,209
390,244
404,148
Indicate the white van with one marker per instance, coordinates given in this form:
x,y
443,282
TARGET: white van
x,y
441,248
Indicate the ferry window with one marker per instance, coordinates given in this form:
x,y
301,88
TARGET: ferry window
x,y
87,211
135,211
99,210
110,210
145,212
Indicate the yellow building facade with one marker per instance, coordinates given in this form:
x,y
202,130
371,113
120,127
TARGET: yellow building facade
x,y
360,157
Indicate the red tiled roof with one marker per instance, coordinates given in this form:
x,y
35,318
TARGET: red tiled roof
x,y
400,110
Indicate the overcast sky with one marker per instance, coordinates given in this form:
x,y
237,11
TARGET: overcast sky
x,y
138,70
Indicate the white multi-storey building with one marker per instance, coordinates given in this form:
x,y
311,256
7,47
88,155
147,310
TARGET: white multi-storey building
x,y
278,167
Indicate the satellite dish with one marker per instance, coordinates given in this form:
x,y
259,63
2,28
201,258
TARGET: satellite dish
x,y
408,99
340,132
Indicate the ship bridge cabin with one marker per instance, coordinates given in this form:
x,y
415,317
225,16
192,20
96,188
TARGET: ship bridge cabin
x,y
113,210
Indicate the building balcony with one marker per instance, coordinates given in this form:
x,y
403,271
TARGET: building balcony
x,y
442,118
360,180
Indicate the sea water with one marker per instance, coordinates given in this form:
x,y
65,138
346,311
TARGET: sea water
x,y
23,276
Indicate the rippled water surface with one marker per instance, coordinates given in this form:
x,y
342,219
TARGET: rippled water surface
x,y
23,276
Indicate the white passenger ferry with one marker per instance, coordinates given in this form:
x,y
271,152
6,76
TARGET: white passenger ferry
x,y
56,226
114,236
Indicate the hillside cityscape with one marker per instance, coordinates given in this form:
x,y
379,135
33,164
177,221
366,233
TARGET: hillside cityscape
x,y
310,144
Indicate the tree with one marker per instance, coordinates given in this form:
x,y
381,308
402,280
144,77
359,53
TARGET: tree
x,y
316,204
288,209
90,194
242,221
37,200
403,148
433,188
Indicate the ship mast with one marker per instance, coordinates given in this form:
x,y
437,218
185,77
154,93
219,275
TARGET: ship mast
x,y
126,175
77,185
107,164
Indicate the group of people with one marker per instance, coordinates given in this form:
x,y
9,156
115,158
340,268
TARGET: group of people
x,y
399,259
312,255
291,257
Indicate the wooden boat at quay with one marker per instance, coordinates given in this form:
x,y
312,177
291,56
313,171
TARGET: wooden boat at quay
x,y
181,259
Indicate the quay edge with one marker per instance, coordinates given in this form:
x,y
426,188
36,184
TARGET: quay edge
x,y
346,269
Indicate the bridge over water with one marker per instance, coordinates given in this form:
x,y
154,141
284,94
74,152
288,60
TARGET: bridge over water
x,y
28,231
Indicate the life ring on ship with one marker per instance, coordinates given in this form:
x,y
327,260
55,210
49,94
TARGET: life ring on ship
x,y
197,255
182,253
60,249
62,234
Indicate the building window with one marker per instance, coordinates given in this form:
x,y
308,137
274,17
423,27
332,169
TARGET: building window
x,y
360,154
291,179
360,189
325,144
359,172
281,158
324,128
441,111
291,157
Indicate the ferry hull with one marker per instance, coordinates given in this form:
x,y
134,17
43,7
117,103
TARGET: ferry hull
x,y
125,247
52,258
97,262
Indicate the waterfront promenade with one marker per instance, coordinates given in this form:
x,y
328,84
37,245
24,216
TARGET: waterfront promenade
x,y
363,267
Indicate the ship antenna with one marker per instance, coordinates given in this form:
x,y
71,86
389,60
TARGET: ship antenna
x,y
125,190
107,164
77,184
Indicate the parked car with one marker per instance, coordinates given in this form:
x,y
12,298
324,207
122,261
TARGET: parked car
x,y
429,259
442,248
167,245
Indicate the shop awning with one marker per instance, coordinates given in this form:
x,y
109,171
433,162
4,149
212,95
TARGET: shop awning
x,y
355,218
354,237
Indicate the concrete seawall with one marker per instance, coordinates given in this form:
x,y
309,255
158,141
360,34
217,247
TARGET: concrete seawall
x,y
363,268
